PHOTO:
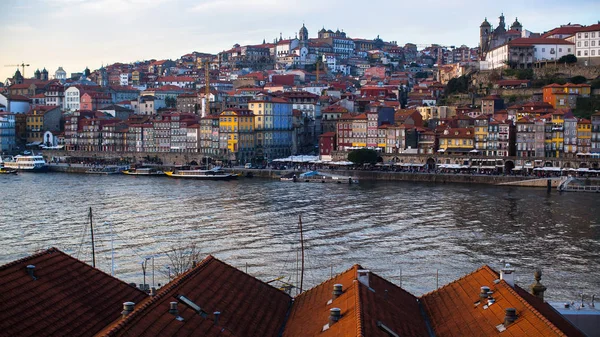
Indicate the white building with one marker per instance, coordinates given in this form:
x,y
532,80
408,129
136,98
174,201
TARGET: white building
x,y
72,100
587,44
124,79
522,53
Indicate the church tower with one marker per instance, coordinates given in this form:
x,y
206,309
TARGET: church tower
x,y
517,26
501,24
484,37
303,34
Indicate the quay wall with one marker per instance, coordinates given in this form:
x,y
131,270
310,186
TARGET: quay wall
x,y
399,176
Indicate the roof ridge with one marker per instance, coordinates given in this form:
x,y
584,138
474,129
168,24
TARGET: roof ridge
x,y
358,304
531,307
161,293
21,260
329,279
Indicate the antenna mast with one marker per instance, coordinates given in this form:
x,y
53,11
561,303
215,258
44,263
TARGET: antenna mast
x,y
93,249
302,252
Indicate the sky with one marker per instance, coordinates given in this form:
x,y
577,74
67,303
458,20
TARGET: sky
x,y
79,33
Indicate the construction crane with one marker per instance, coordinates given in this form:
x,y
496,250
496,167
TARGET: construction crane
x,y
22,65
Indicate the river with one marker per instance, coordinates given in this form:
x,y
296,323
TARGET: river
x,y
414,234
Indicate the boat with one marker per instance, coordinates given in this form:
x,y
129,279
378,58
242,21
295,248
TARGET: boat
x,y
319,177
143,171
105,170
7,171
31,163
214,174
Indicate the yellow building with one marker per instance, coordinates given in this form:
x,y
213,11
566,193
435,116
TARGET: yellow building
x,y
457,140
558,139
565,96
359,131
584,136
236,129
481,133
40,119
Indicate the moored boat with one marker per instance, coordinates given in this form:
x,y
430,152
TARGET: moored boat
x,y
32,163
7,171
143,171
214,174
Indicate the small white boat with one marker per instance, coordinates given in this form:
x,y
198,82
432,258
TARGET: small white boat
x,y
31,163
215,174
143,171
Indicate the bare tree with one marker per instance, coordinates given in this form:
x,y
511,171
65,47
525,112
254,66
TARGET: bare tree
x,y
181,259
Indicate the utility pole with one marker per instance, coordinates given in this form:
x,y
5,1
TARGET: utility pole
x,y
93,249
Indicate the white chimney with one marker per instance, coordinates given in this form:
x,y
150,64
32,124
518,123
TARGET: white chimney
x,y
363,276
508,274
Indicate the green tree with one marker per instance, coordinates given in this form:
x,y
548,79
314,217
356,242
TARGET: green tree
x,y
525,74
363,156
596,83
421,74
170,102
578,79
569,59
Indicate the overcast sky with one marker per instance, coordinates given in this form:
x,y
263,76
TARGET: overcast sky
x,y
79,33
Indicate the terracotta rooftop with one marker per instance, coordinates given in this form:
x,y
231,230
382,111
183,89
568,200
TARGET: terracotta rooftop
x,y
362,308
454,310
247,306
67,297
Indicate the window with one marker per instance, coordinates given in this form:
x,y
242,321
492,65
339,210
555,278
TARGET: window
x,y
560,50
578,44
593,43
579,53
579,35
593,34
586,35
543,50
585,43
593,53
569,50
585,53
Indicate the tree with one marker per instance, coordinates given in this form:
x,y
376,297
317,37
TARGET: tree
x,y
578,79
363,156
170,102
569,59
421,74
596,83
181,259
525,74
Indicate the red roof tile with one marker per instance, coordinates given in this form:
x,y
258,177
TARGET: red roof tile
x,y
248,306
522,41
362,308
454,310
68,297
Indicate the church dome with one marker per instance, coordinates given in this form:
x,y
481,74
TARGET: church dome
x,y
485,23
516,23
303,30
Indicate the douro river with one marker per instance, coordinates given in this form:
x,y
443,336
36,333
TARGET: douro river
x,y
414,234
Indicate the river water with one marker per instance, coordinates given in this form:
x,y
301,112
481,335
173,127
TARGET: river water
x,y
416,235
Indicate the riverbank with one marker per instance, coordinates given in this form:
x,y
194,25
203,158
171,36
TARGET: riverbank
x,y
369,176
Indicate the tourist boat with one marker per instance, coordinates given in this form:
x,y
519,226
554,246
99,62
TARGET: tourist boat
x,y
32,163
143,171
319,177
215,174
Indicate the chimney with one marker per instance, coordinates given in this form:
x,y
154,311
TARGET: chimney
x,y
173,308
334,315
484,293
363,276
537,289
217,313
337,290
510,317
31,271
508,274
152,291
127,308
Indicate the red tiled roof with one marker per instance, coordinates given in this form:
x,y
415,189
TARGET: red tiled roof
x,y
458,133
248,306
68,297
18,98
362,307
590,28
452,310
522,41
561,31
